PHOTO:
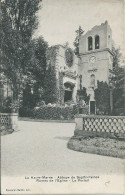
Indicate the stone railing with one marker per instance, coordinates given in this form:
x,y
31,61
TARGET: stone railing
x,y
9,119
5,119
102,126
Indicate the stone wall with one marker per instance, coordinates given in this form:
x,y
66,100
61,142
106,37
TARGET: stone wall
x,y
102,126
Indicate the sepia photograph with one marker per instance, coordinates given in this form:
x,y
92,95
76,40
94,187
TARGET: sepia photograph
x,y
62,97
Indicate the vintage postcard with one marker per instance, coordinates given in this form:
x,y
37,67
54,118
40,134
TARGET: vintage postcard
x,y
62,90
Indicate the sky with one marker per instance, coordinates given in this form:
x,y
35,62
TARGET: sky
x,y
59,19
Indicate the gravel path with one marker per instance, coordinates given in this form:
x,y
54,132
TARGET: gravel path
x,y
41,148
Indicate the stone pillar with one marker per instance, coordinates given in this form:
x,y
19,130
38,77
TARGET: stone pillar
x,y
92,99
14,121
74,93
79,123
111,100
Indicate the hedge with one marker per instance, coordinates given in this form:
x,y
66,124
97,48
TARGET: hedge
x,y
26,112
55,113
52,112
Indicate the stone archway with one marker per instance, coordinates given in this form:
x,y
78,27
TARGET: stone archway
x,y
68,88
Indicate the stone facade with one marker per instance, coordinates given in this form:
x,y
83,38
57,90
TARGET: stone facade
x,y
96,58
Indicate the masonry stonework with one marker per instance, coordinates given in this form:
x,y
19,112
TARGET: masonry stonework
x,y
93,64
100,126
70,74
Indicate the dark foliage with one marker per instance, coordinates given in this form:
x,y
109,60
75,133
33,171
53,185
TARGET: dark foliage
x,y
38,61
51,91
102,97
117,83
118,86
18,23
116,57
50,112
26,112
79,32
83,95
61,89
6,107
69,57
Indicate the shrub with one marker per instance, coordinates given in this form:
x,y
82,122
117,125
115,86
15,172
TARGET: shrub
x,y
26,112
55,112
102,97
6,107
52,112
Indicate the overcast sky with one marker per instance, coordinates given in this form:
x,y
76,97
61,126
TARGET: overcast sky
x,y
59,19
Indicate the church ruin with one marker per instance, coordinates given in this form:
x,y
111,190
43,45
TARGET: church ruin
x,y
93,64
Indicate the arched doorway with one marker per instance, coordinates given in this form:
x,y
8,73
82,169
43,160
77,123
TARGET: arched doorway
x,y
68,87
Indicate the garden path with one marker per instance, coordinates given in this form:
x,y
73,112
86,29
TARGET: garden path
x,y
40,148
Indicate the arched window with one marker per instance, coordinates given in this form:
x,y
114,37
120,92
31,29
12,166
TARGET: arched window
x,y
92,80
89,43
97,42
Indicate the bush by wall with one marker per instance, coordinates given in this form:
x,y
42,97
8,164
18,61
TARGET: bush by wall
x,y
100,126
26,112
119,111
55,112
52,112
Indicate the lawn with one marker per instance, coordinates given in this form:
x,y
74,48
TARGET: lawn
x,y
98,145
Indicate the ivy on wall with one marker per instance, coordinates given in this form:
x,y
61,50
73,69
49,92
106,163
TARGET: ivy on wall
x,y
69,56
51,89
61,88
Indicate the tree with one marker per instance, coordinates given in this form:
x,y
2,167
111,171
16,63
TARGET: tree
x,y
83,95
18,23
38,59
102,97
79,32
117,82
27,97
116,56
51,92
36,71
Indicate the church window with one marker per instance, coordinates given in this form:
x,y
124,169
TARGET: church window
x,y
92,80
89,43
97,42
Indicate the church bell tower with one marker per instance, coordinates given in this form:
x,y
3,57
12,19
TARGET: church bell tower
x,y
96,58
